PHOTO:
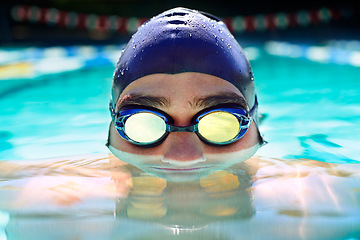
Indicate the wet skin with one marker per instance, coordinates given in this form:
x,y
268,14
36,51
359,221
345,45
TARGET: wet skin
x,y
182,96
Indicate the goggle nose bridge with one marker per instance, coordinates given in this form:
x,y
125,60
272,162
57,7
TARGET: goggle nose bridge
x,y
191,128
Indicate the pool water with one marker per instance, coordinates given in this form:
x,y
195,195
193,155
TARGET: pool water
x,y
60,114
58,181
311,108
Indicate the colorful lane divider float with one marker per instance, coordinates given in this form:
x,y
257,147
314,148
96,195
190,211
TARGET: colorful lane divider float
x,y
236,24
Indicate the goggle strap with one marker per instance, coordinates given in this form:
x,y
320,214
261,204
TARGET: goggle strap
x,y
112,111
254,106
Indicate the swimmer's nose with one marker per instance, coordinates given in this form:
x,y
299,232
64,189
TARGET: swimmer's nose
x,y
183,149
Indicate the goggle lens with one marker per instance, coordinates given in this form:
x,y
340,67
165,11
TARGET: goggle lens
x,y
219,126
145,127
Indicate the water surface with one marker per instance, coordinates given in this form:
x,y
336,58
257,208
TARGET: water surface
x,y
98,196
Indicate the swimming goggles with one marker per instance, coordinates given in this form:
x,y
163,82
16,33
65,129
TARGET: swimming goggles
x,y
148,127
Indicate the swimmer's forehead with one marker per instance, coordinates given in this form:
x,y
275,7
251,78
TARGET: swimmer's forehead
x,y
184,83
165,90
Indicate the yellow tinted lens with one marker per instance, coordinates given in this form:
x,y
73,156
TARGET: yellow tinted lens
x,y
219,126
144,127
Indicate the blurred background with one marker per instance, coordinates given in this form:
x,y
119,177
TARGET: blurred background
x,y
111,21
57,58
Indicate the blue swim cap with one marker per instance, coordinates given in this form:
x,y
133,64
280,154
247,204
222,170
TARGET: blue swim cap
x,y
183,40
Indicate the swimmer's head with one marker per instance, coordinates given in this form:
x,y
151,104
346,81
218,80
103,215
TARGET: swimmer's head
x,y
183,40
179,68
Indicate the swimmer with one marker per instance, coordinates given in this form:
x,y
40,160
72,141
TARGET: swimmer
x,y
183,100
169,79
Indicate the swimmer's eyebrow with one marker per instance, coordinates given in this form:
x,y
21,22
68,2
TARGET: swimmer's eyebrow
x,y
142,100
218,99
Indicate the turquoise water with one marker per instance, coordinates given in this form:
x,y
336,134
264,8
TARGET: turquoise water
x,y
61,114
312,107
50,190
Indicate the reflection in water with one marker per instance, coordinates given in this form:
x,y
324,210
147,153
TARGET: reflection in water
x,y
219,196
100,197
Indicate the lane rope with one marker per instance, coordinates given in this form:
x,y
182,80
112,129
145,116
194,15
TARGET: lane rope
x,y
237,24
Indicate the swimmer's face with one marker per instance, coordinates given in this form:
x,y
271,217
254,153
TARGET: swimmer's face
x,y
182,96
